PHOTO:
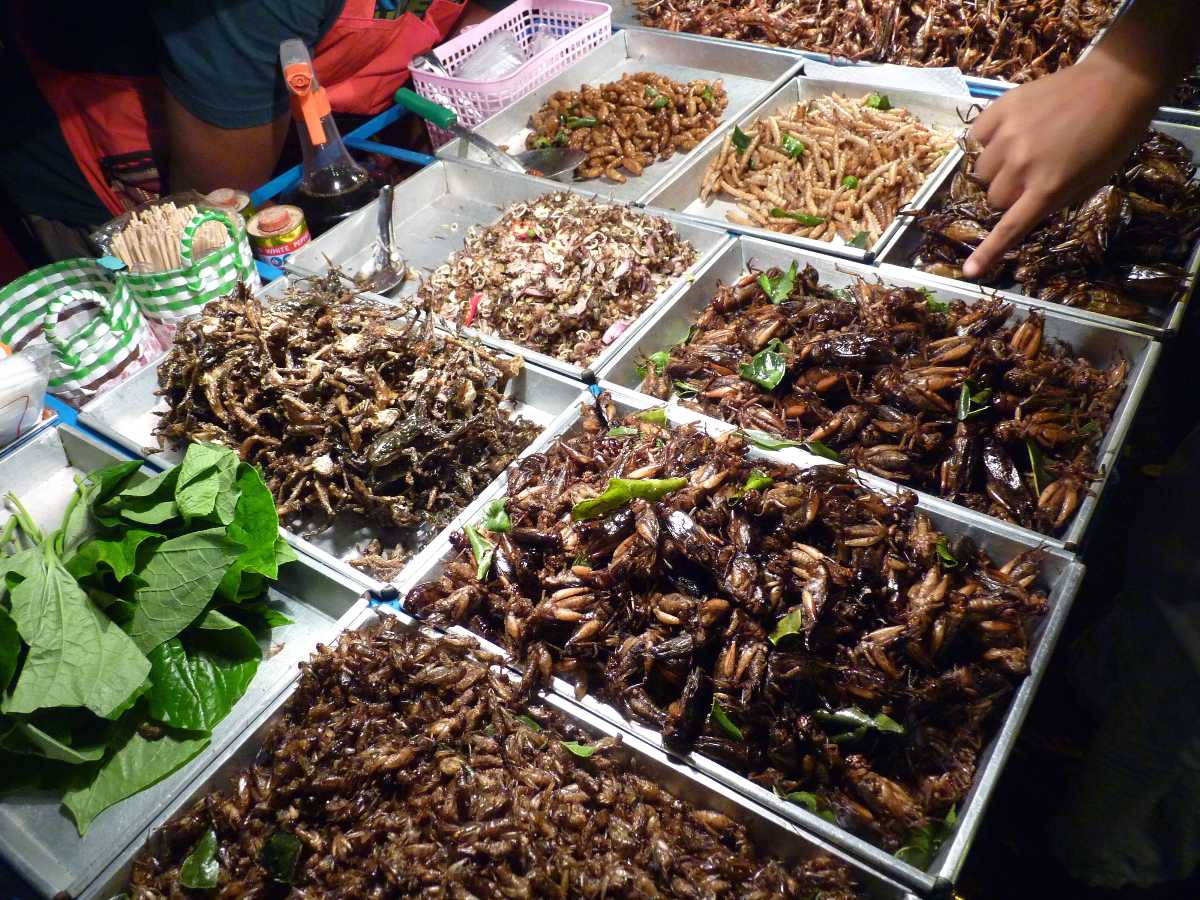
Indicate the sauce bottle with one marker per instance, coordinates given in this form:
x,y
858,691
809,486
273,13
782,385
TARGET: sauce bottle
x,y
333,185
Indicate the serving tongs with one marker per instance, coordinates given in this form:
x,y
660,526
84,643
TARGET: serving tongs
x,y
552,162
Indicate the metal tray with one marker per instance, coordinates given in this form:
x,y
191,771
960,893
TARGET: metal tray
x,y
49,422
128,417
902,247
772,833
1061,574
748,72
37,837
434,210
1096,343
681,192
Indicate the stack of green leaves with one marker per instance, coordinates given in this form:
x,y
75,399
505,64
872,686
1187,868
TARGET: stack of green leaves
x,y
129,632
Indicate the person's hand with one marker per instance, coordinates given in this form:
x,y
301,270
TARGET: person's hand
x,y
1052,143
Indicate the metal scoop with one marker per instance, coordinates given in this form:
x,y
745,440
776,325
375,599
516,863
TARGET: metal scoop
x,y
387,269
553,162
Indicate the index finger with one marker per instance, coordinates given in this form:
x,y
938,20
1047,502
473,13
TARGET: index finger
x,y
985,123
1029,209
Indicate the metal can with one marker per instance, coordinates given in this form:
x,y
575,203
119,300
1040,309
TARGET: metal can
x,y
277,232
231,201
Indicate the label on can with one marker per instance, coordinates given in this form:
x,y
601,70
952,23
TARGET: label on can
x,y
276,233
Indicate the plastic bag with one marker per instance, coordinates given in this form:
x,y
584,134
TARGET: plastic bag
x,y
497,57
23,380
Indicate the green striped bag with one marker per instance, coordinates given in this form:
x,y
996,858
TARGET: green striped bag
x,y
89,319
171,297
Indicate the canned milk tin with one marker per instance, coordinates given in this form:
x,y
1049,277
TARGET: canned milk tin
x,y
276,233
231,201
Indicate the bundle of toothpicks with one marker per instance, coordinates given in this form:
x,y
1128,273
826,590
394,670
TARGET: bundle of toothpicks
x,y
149,242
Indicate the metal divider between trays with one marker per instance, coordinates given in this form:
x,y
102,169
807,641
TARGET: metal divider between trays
x,y
1063,574
38,838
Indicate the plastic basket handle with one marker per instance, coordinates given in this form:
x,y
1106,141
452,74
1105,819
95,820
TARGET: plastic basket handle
x,y
60,302
187,239
441,116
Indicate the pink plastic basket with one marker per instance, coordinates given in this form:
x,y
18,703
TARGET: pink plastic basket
x,y
582,25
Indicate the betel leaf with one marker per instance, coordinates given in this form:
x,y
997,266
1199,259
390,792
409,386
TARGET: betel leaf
x,y
135,765
482,549
621,492
811,802
279,856
495,517
623,431
149,502
96,487
766,441
767,367
779,289
53,743
792,145
861,240
806,219
206,476
10,648
817,448
944,555
654,416
579,749
740,140
196,678
120,557
878,101
791,623
201,868
180,579
255,526
77,655
723,721
1036,466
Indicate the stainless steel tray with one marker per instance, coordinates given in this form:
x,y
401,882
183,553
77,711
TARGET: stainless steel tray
x,y
902,247
749,74
1096,343
772,833
434,210
1061,574
681,192
129,415
48,422
37,838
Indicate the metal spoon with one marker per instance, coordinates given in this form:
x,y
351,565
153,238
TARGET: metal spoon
x,y
552,162
387,268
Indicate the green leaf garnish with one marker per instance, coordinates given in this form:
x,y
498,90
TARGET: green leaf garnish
x,y
724,722
766,441
495,517
860,240
851,724
574,122
1036,466
758,481
708,96
741,141
622,431
792,623
654,416
660,103
651,93
972,402
811,802
579,749
819,449
878,101
659,360
279,856
621,491
685,391
482,549
530,722
803,218
792,146
779,289
542,143
944,555
850,181
922,844
201,868
767,367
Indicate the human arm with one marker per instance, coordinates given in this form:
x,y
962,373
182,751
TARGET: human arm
x,y
205,157
1053,142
